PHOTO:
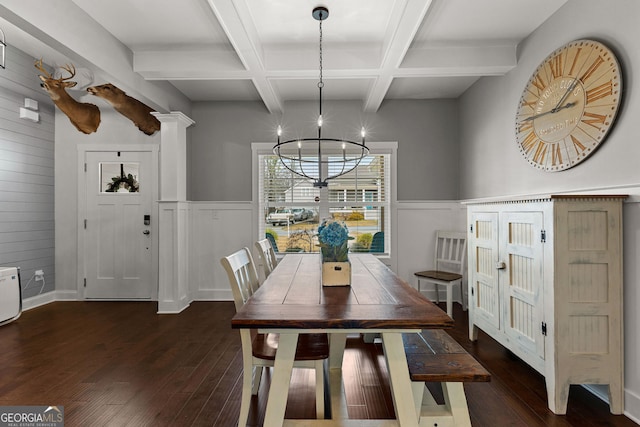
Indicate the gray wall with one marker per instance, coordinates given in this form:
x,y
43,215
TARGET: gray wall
x,y
426,131
491,164
26,176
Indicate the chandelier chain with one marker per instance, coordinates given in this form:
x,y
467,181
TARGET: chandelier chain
x,y
320,83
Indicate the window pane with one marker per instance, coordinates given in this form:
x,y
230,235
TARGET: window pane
x,y
363,224
119,177
291,206
294,229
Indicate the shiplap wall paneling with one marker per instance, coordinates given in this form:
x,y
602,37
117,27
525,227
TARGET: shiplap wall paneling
x,y
26,176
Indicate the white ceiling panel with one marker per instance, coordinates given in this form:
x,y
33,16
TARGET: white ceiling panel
x,y
224,50
429,87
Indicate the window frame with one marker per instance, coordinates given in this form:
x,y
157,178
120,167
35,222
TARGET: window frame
x,y
375,148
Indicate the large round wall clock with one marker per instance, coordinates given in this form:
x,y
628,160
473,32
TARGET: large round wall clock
x,y
568,105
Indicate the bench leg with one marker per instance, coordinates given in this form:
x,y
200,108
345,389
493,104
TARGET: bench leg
x,y
399,378
456,402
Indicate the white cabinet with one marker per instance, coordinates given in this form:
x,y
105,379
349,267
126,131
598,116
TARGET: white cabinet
x,y
545,281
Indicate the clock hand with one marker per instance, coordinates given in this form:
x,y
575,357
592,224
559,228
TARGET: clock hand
x,y
553,110
564,97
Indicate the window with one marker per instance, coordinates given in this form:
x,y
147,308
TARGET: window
x,y
290,207
119,177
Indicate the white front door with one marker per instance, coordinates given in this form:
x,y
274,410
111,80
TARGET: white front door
x,y
118,234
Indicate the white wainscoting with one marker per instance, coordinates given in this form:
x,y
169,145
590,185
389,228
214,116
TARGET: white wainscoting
x,y
217,230
220,228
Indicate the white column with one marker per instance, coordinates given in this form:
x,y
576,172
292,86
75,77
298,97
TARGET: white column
x,y
173,214
173,155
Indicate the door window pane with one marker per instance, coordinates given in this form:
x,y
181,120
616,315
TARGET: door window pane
x,y
119,177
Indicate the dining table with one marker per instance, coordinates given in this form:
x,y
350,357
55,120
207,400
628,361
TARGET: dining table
x,y
293,301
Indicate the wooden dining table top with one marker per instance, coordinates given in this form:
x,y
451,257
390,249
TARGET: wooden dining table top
x,y
293,297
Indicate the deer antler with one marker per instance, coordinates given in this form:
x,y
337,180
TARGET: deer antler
x,y
39,66
71,69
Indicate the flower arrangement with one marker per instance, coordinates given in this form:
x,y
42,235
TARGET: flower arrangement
x,y
333,236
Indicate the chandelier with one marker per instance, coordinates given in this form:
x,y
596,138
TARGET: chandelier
x,y
320,159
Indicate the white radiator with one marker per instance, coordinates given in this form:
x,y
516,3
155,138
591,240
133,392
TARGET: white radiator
x,y
10,294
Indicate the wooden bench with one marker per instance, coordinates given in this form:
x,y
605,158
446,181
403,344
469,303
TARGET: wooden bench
x,y
433,356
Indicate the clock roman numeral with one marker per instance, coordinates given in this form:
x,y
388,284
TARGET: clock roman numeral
x,y
528,142
525,126
605,89
531,104
575,60
577,145
594,120
541,152
556,154
539,83
556,65
592,69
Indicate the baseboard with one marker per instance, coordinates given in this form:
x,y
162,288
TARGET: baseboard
x,y
630,400
38,300
49,297
213,295
173,307
632,406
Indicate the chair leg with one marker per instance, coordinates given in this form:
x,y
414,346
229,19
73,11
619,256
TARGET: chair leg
x,y
435,285
450,300
319,365
247,377
255,381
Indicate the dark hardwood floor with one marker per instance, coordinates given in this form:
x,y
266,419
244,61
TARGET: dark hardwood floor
x,y
121,364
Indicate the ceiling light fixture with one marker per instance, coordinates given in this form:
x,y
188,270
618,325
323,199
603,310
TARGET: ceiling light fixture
x,y
313,158
3,46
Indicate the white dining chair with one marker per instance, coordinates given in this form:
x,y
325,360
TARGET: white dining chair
x,y
267,256
259,350
448,266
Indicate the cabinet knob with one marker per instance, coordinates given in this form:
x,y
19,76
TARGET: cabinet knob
x,y
500,265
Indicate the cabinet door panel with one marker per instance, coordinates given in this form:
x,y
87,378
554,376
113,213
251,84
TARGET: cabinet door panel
x,y
521,280
484,277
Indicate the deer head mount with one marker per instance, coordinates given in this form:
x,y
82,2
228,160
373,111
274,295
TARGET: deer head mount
x,y
131,108
84,116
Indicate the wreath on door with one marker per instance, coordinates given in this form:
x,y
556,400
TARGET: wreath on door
x,y
126,182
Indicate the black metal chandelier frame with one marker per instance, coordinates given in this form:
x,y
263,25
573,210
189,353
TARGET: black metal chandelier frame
x,y
291,151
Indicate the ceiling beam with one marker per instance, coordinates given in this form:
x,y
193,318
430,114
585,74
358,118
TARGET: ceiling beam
x,y
63,26
403,25
235,19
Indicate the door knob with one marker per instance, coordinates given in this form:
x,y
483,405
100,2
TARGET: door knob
x,y
146,232
500,265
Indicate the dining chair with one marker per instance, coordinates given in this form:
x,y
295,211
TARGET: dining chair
x,y
259,350
448,266
267,256
377,243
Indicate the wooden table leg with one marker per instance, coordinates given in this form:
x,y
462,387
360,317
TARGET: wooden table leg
x,y
399,378
337,343
279,389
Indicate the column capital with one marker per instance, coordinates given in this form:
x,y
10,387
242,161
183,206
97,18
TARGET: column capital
x,y
174,116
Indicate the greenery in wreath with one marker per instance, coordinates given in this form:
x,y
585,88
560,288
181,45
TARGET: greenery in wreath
x,y
128,182
333,237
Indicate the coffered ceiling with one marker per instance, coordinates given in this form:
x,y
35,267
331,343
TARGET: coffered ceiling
x,y
267,50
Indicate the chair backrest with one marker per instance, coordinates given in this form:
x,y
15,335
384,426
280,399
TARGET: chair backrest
x,y
267,256
451,251
272,240
377,243
243,278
